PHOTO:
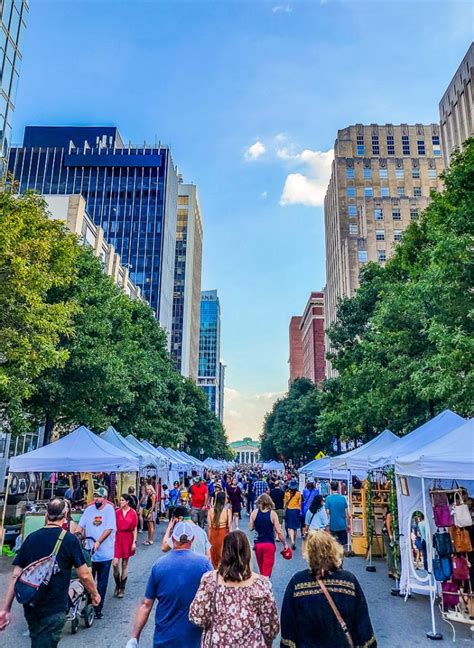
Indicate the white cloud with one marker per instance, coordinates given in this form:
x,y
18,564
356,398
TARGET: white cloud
x,y
255,151
309,186
282,9
244,413
264,195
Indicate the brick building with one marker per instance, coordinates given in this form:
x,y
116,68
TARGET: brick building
x,y
307,359
296,349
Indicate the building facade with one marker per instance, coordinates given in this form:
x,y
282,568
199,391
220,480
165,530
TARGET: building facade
x,y
131,192
220,413
381,180
246,451
456,108
210,349
312,338
14,14
295,359
187,282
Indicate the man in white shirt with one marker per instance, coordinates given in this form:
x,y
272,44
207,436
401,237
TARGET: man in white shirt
x,y
200,545
98,522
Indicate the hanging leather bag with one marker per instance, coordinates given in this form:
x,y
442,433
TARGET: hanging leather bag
x,y
450,594
461,513
461,539
459,568
441,568
442,543
442,515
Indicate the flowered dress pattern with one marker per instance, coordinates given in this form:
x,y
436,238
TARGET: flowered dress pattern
x,y
241,617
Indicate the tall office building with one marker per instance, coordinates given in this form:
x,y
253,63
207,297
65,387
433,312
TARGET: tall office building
x,y
220,413
187,282
456,108
13,23
381,179
210,348
312,338
295,359
131,192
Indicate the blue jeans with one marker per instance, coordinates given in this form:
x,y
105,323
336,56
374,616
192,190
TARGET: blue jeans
x,y
102,571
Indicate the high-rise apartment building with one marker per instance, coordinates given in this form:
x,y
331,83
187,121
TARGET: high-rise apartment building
x,y
12,27
210,348
296,349
381,179
131,192
456,108
187,282
312,338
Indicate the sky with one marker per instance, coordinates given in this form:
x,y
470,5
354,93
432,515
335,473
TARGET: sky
x,y
249,95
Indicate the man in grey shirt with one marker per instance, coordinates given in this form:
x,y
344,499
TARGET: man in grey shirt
x,y
201,544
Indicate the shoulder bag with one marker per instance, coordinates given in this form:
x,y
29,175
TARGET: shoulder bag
x,y
442,543
461,539
441,567
460,568
461,514
337,614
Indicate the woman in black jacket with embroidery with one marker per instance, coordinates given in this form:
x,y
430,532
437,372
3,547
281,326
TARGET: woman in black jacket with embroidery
x,y
324,606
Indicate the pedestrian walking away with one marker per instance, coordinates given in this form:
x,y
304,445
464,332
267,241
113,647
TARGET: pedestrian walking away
x,y
98,522
173,582
233,605
292,511
201,544
316,516
324,606
264,521
125,542
278,496
219,525
45,614
235,499
199,497
175,494
309,493
338,510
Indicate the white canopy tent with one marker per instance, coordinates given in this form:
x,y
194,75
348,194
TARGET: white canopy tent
x,y
274,465
155,452
161,465
358,460
113,437
447,457
79,451
322,468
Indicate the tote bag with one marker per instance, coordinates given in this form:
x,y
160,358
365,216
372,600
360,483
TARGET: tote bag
x,y
461,514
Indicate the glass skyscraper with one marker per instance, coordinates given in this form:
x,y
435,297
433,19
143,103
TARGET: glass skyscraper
x,y
131,192
12,27
209,371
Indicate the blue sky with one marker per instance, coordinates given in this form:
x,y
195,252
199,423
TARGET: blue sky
x,y
249,95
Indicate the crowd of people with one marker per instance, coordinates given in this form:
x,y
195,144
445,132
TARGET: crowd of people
x,y
207,593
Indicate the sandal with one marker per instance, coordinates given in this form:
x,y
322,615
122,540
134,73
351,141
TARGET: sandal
x,y
147,542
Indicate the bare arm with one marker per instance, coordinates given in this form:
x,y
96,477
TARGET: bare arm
x,y
164,544
141,617
10,595
85,576
253,515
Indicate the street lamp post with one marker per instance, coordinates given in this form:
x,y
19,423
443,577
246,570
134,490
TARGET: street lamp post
x,y
201,453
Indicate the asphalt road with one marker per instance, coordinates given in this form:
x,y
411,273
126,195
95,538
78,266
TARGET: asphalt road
x,y
397,624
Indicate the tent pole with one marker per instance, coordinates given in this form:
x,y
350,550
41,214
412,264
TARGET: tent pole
x,y
2,526
435,636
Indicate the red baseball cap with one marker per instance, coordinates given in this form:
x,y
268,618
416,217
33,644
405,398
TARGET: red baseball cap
x,y
287,553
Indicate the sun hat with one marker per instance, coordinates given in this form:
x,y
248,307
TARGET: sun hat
x,y
183,533
287,553
293,484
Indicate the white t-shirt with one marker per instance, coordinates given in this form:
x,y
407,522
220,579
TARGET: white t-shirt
x,y
201,544
94,522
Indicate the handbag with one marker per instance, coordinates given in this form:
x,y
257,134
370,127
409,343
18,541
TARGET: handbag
x,y
339,618
450,594
461,514
439,498
460,568
442,543
213,607
442,515
460,539
441,568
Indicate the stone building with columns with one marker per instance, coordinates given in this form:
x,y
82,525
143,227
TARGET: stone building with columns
x,y
247,451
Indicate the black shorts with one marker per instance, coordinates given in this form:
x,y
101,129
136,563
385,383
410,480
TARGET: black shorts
x,y
341,536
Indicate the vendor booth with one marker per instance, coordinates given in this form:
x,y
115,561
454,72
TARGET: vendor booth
x,y
274,465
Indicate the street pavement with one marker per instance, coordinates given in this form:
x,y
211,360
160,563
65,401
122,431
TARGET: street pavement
x,y
397,624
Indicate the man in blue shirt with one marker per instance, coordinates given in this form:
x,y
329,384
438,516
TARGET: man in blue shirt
x,y
336,506
173,582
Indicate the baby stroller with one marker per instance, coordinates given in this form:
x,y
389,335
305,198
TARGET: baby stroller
x,y
80,604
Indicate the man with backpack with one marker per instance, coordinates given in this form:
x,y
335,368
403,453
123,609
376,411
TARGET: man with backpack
x,y
48,550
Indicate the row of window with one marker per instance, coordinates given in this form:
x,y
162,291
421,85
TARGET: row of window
x,y
363,256
378,213
383,173
420,145
384,192
379,233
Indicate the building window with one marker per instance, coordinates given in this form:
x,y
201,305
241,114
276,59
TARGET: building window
x,y
399,174
352,210
380,235
415,172
350,172
360,145
351,192
378,214
362,256
353,229
368,192
400,191
390,145
405,145
384,192
183,200
414,213
421,147
375,145
432,173
396,214
397,235
381,256
367,173
383,173
417,192
436,145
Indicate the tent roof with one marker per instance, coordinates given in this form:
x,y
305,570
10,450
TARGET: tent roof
x,y
322,468
273,465
359,458
177,462
142,448
448,457
112,436
155,451
426,433
79,451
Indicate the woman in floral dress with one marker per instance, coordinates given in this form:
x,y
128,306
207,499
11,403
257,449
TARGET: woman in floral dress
x,y
235,606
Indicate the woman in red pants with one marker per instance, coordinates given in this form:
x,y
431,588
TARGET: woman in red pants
x,y
264,521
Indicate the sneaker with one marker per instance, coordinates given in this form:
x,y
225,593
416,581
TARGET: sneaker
x,y
98,614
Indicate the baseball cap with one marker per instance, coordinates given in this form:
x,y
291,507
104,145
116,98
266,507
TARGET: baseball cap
x,y
101,491
310,480
183,532
197,479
